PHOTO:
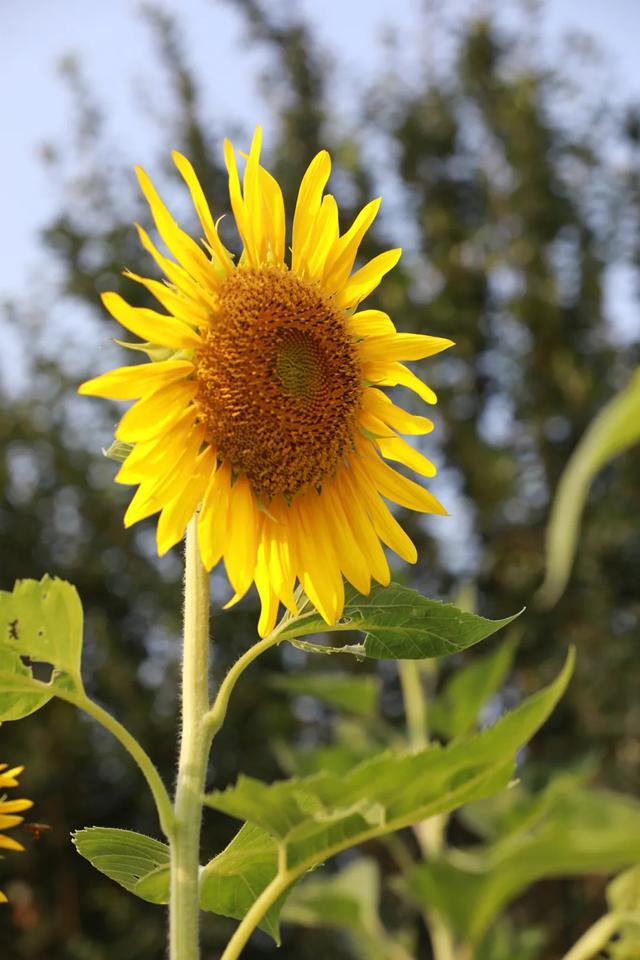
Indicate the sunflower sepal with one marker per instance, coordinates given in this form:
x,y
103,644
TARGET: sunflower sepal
x,y
152,350
119,451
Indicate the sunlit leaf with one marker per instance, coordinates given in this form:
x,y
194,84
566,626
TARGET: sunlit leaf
x,y
312,818
232,881
128,858
40,623
399,624
614,430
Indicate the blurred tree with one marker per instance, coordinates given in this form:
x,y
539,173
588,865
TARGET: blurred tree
x,y
512,204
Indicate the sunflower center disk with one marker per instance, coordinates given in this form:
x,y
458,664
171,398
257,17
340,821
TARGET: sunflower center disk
x,y
278,381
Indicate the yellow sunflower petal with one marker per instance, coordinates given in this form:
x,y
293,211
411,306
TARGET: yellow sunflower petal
x,y
156,411
218,249
186,309
3,898
350,557
274,216
362,527
177,513
268,599
383,407
340,262
178,276
15,806
129,383
238,206
403,346
386,525
396,374
366,279
8,843
212,522
370,323
185,250
242,541
166,331
395,448
322,238
394,486
308,205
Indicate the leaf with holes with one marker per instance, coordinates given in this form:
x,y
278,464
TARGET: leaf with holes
x,y
399,624
40,623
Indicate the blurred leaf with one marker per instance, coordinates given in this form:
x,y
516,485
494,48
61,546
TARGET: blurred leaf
x,y
356,694
614,430
40,621
232,881
623,893
310,819
583,831
348,901
128,858
455,710
399,624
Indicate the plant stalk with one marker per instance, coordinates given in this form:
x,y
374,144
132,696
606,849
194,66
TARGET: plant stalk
x,y
192,765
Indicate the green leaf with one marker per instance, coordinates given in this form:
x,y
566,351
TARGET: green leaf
x,y
455,710
355,694
314,817
582,831
347,901
139,864
232,881
614,430
40,621
399,624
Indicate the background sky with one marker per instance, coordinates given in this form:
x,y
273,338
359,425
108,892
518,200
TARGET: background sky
x,y
118,57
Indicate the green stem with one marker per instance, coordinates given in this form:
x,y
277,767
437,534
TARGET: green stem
x,y
429,833
192,765
129,742
216,715
595,939
259,908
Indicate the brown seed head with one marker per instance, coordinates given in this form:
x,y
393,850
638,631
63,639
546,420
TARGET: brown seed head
x,y
278,381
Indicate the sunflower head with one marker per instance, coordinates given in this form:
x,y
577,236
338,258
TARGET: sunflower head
x,y
9,809
264,408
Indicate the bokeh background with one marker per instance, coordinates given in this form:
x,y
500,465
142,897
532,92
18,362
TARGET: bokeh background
x,y
506,141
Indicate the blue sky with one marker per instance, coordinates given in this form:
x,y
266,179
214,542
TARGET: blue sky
x,y
115,48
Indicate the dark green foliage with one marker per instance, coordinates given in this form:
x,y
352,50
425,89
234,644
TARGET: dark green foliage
x,y
510,216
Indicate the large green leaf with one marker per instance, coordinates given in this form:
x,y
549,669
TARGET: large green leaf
x,y
581,831
456,709
312,818
614,430
232,881
40,622
399,624
128,858
355,694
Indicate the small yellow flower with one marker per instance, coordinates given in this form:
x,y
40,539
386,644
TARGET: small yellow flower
x,y
8,810
263,403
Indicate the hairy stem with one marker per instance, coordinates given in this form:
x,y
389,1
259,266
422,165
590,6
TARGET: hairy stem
x,y
146,765
194,750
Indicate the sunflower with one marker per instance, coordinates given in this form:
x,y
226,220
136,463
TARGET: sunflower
x,y
263,404
8,810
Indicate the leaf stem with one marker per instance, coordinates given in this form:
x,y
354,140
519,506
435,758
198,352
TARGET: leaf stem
x,y
139,754
595,938
192,764
271,893
429,833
